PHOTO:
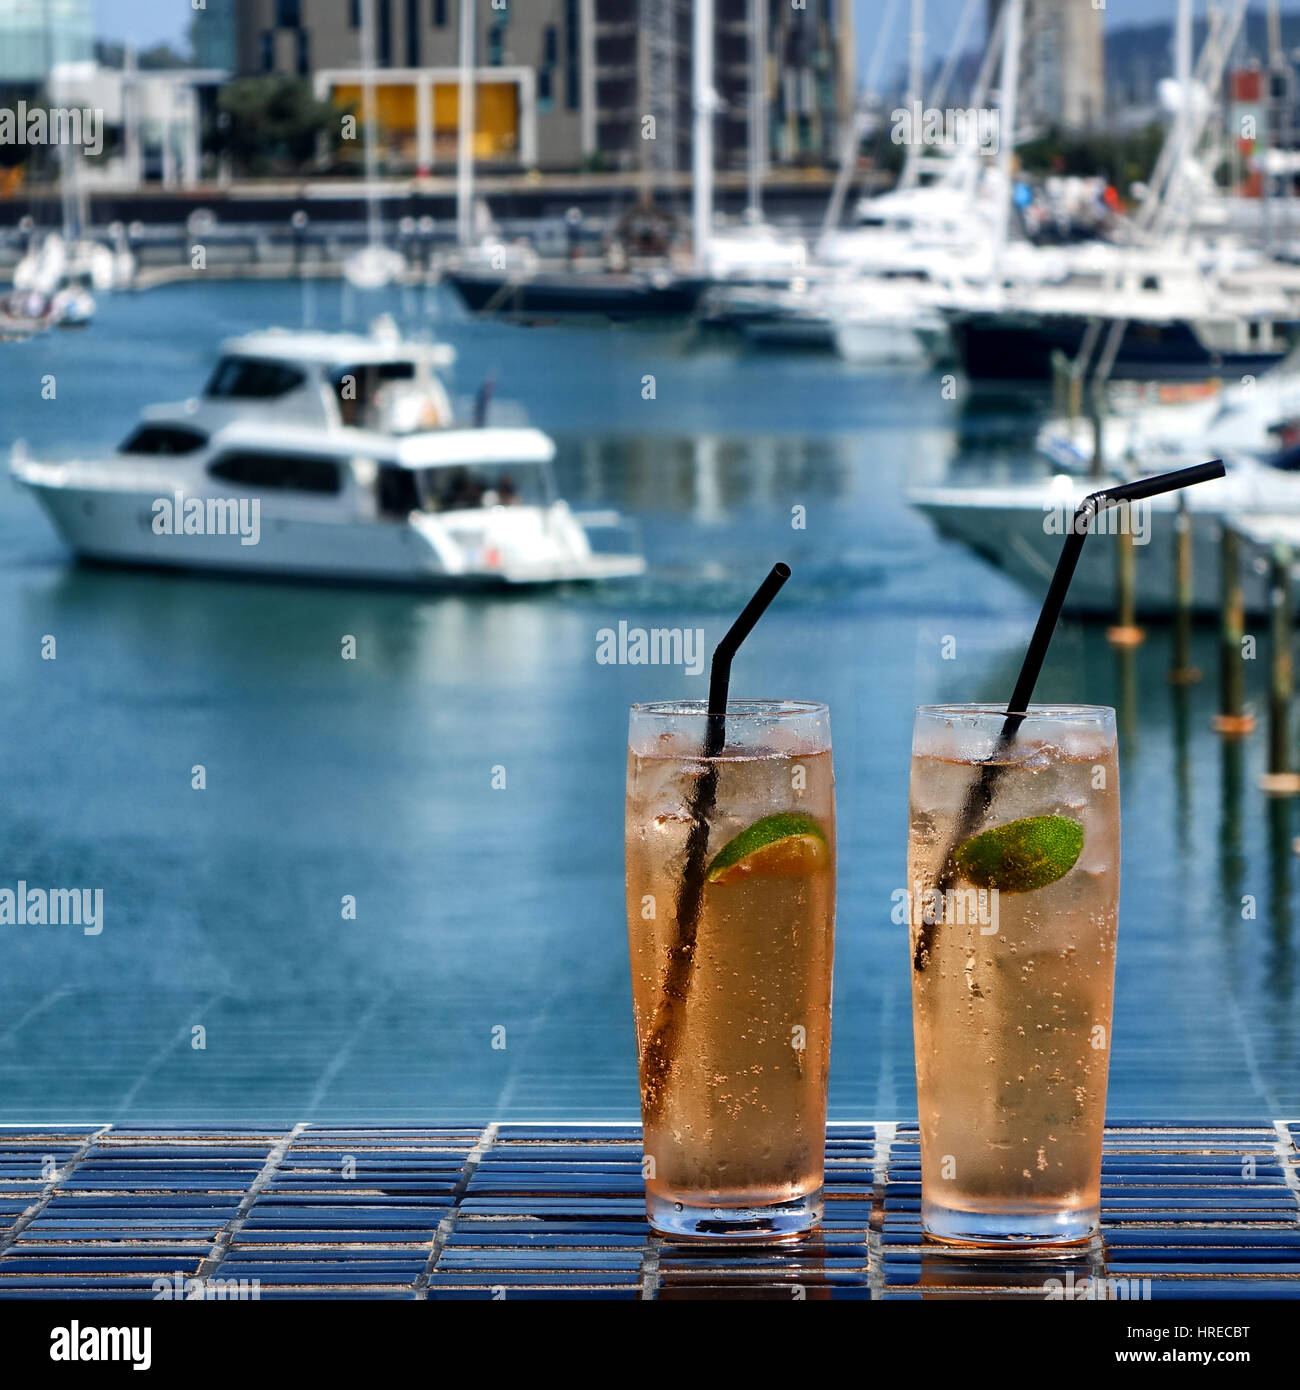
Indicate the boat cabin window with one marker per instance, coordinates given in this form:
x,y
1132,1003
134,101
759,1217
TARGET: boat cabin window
x,y
251,378
163,439
1150,282
404,490
282,472
356,386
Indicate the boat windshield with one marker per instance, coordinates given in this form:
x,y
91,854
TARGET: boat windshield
x,y
404,490
252,378
357,387
163,439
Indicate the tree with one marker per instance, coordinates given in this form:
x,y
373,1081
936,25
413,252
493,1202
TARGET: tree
x,y
272,124
1119,158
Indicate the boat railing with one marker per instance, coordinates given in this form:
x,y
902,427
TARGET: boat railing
x,y
501,414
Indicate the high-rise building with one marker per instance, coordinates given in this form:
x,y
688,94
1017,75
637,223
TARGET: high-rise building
x,y
212,34
37,34
643,66
1062,63
566,83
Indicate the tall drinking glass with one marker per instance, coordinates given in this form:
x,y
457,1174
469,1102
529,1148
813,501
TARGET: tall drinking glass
x,y
731,920
1013,871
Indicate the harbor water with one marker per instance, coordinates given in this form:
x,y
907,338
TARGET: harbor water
x,y
397,895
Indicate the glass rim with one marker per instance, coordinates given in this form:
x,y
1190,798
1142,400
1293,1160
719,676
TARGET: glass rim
x,y
736,706
1060,713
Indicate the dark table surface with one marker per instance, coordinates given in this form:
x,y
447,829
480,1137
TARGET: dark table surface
x,y
546,1211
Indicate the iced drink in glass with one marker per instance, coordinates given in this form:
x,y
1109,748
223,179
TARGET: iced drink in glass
x,y
1013,870
731,910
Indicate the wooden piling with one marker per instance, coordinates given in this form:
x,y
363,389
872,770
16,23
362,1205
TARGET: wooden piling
x,y
1233,719
1061,399
1280,780
1097,413
1181,671
1125,632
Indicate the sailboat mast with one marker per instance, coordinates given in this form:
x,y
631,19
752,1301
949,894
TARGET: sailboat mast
x,y
702,73
916,54
368,118
757,105
1279,128
1183,51
1007,121
465,128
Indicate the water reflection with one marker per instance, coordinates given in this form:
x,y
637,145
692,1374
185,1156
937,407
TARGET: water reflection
x,y
792,1272
949,1275
1279,966
1180,725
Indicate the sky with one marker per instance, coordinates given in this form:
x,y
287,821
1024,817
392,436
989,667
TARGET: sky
x,y
146,22
943,16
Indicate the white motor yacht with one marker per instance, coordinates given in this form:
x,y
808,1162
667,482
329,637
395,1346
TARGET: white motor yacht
x,y
331,456
1178,322
1019,527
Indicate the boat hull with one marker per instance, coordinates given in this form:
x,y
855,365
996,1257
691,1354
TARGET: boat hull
x,y
578,293
116,527
885,344
997,347
789,331
1017,539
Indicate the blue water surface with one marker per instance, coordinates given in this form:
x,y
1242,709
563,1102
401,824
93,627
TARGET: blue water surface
x,y
228,984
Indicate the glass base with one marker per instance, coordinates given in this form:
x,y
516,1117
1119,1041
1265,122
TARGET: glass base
x,y
1009,1230
778,1221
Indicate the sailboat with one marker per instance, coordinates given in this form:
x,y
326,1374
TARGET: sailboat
x,y
66,267
374,265
755,252
489,281
1156,309
871,288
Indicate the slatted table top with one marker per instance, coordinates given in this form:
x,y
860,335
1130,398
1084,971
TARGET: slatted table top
x,y
547,1211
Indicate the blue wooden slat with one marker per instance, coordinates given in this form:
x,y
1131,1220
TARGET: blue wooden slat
x,y
557,1211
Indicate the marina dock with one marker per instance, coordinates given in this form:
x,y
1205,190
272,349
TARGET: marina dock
x,y
517,1211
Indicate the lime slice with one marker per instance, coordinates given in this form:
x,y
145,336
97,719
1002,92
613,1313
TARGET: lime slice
x,y
1022,855
786,845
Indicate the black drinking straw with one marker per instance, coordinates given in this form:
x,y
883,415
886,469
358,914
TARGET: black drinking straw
x,y
980,796
661,1047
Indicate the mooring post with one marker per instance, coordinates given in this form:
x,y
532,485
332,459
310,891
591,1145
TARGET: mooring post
x,y
1061,396
1125,632
1280,780
1181,670
1233,720
1097,410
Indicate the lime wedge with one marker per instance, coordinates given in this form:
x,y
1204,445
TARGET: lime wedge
x,y
786,845
1022,855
